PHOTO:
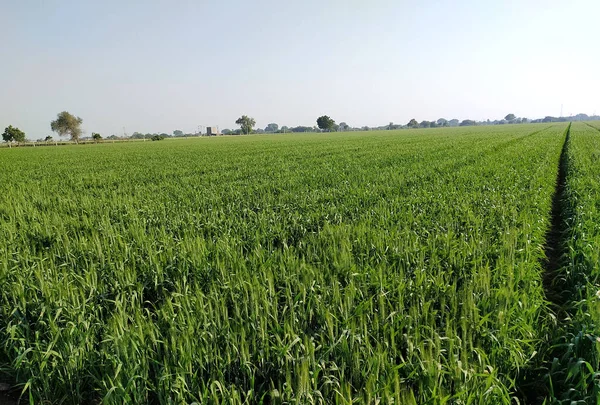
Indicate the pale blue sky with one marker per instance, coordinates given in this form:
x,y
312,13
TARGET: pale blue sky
x,y
162,65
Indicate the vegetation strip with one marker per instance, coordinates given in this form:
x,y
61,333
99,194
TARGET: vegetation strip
x,y
532,386
573,374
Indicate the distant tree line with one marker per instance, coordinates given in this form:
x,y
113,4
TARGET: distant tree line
x,y
68,125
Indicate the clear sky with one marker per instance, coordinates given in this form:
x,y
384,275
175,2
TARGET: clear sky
x,y
157,66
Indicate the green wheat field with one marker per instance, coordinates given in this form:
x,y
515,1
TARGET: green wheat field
x,y
405,267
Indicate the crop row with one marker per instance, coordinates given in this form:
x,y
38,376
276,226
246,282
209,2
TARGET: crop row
x,y
574,371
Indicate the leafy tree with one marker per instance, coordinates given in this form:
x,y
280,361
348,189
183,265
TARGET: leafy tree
x,y
157,137
413,123
453,122
425,124
301,128
48,139
272,127
96,136
67,124
325,123
13,134
442,122
467,123
246,124
285,129
177,132
344,127
226,131
509,117
365,128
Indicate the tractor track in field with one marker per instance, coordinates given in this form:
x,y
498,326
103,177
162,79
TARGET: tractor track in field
x,y
532,386
591,126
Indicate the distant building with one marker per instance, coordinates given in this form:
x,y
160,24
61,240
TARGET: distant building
x,y
212,131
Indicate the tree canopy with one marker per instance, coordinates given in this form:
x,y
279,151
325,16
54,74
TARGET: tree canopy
x,y
509,117
13,134
67,124
272,127
413,123
325,123
246,124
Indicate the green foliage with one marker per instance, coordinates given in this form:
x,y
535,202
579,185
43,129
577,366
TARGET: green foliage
x,y
413,123
272,128
13,134
510,117
246,124
355,268
96,136
67,124
157,137
325,123
574,371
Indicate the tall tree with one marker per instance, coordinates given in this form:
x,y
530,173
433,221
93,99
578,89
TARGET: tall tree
x,y
413,123
246,124
344,126
272,127
67,124
509,117
178,132
325,123
13,134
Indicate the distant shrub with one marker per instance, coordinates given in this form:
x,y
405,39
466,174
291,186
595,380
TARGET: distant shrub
x,y
157,137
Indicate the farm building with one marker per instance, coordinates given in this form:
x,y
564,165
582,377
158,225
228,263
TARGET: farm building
x,y
212,131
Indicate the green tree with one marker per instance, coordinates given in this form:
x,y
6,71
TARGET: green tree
x,y
67,124
178,132
413,123
246,124
325,123
96,136
509,117
13,134
272,127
